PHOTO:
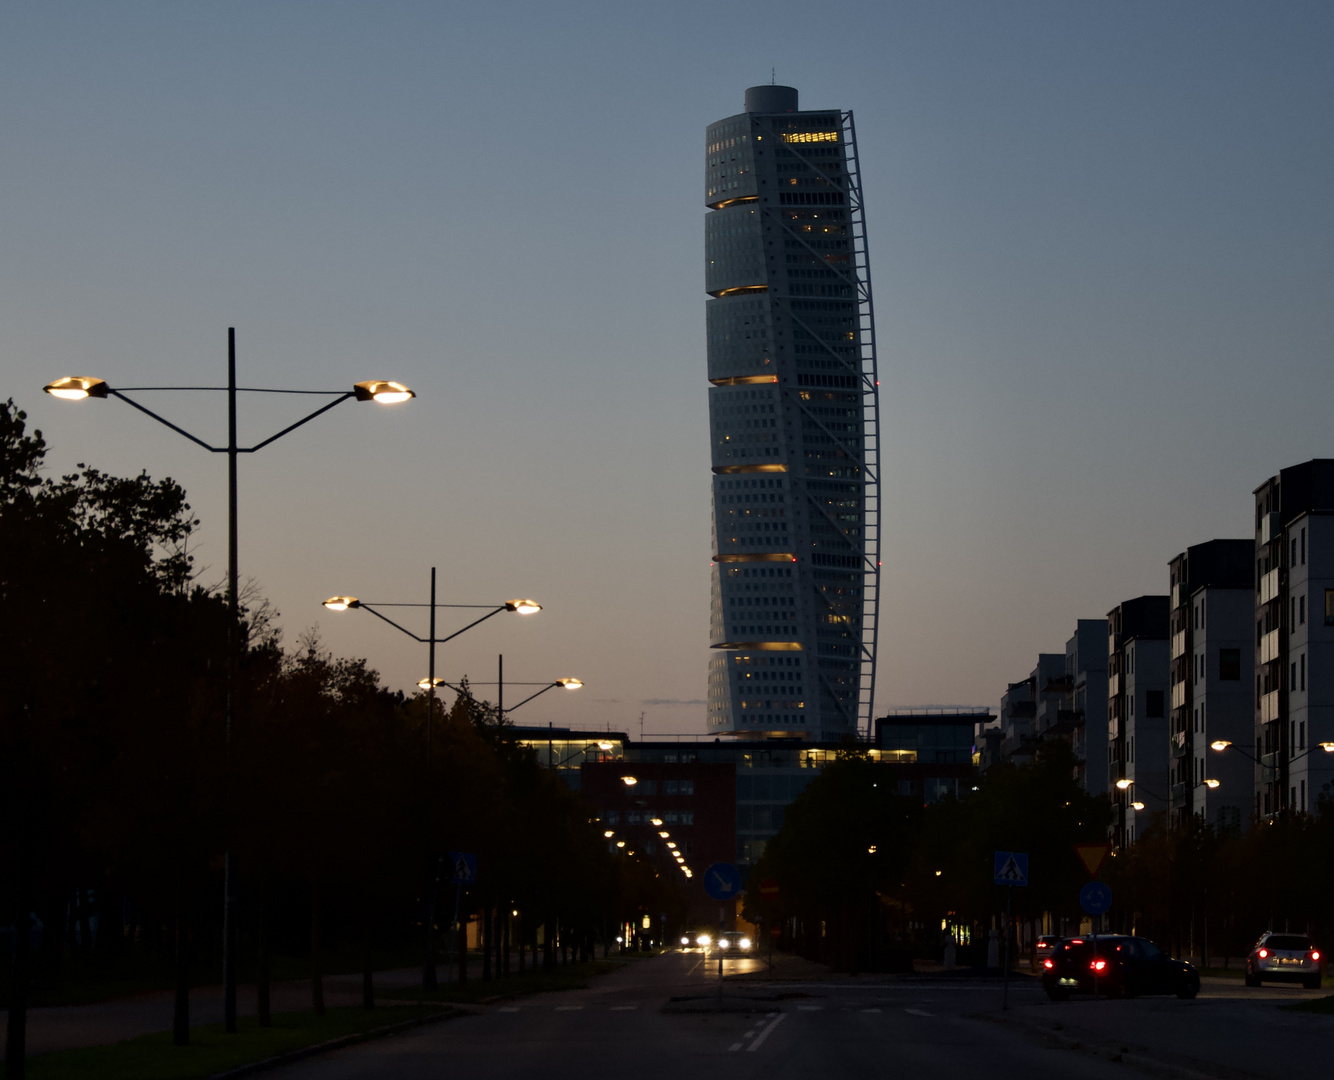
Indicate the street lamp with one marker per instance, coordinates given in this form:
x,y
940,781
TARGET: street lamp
x,y
346,603
523,607
80,387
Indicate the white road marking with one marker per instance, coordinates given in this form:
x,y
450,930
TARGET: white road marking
x,y
568,1008
748,1034
734,1046
809,1008
623,1008
870,1010
759,1039
918,1012
509,1008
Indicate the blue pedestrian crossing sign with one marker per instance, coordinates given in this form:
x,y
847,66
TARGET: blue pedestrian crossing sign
x,y
1011,868
1095,898
463,868
722,881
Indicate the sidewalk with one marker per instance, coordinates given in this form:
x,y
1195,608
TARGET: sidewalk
x,y
68,1027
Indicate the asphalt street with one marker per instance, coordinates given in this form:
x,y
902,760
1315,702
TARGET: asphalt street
x,y
618,1028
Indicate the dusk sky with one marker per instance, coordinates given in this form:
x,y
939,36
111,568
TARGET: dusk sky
x,y
1102,249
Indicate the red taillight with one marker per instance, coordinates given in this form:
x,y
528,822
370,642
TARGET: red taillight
x,y
1076,941
1264,953
1049,964
1098,965
1315,954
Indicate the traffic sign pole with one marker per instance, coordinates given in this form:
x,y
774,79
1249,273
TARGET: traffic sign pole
x,y
1005,976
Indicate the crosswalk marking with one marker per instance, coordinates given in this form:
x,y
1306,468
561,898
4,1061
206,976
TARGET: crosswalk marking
x,y
918,1012
510,1008
568,1008
809,1008
870,1010
733,1047
623,1008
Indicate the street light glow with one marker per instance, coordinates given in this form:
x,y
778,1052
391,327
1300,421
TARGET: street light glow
x,y
1137,806
426,684
342,603
1123,783
609,833
384,391
629,781
605,746
1220,744
1211,783
1327,747
527,607
620,843
655,822
575,684
77,387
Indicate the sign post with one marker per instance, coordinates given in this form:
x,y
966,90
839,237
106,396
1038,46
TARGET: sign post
x,y
1095,897
1010,869
769,890
722,881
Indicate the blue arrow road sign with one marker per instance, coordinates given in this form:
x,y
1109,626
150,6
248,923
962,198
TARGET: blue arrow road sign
x,y
1011,868
463,868
1095,898
722,881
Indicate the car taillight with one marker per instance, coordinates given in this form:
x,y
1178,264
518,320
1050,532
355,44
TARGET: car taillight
x,y
1264,953
1076,941
1098,965
1049,964
1315,954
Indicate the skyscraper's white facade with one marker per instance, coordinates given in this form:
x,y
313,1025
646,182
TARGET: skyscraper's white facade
x,y
794,424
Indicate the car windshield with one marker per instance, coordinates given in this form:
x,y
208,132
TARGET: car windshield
x,y
1287,942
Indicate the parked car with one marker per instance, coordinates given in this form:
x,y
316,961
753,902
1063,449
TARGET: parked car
x,y
1118,966
1284,958
1042,949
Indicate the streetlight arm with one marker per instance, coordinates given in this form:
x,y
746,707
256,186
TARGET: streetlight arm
x,y
530,697
366,607
162,420
292,427
456,633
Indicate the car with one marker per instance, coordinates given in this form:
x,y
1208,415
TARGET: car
x,y
734,941
1042,949
1284,958
1118,965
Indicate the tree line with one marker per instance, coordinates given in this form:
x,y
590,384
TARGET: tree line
x,y
120,788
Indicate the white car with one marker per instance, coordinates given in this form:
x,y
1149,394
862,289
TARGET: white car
x,y
1284,958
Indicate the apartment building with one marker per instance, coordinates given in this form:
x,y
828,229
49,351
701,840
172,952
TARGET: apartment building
x,y
1137,728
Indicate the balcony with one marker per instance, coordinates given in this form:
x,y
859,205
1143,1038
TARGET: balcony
x,y
1269,711
1178,644
1180,796
1113,685
1180,745
1269,646
1179,694
1269,586
1180,595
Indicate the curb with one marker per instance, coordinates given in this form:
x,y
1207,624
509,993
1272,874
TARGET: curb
x,y
447,1013
1060,1039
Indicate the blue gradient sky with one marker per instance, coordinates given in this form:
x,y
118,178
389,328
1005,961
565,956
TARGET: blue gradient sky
x,y
1102,253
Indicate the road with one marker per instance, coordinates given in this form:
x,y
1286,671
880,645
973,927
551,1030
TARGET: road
x,y
618,1028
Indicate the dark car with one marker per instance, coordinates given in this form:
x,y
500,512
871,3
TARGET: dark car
x,y
1284,958
1118,965
1042,949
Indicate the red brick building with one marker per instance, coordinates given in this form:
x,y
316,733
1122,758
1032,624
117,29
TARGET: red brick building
x,y
695,803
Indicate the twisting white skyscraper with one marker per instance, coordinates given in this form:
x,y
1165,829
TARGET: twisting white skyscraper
x,y
794,420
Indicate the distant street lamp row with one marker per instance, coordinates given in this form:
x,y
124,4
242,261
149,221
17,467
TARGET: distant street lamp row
x,y
1210,782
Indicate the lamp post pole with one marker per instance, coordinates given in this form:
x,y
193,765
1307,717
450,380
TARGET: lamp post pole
x,y
77,387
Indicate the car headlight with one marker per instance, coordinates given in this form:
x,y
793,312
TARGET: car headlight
x,y
685,941
722,943
744,943
703,941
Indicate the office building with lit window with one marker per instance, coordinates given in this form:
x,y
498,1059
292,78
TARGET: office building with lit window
x,y
794,424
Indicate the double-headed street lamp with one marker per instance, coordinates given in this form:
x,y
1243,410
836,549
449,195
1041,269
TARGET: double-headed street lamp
x,y
429,684
80,387
564,684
